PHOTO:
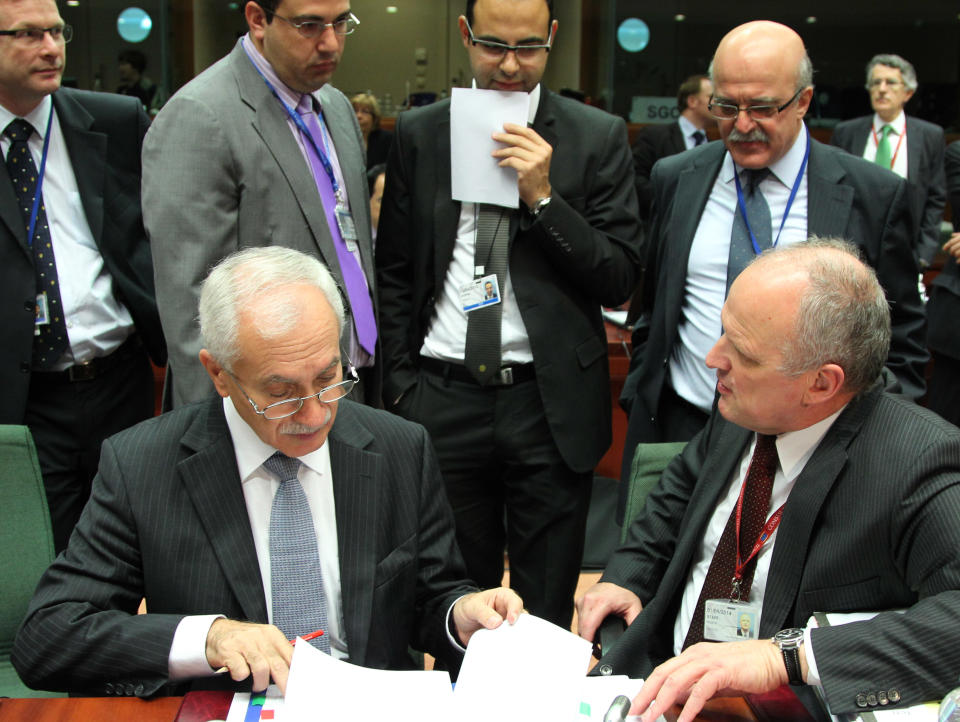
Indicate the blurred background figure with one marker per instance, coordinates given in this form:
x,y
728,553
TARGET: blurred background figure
x,y
131,65
375,178
376,140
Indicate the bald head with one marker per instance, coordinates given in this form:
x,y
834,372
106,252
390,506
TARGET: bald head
x,y
762,63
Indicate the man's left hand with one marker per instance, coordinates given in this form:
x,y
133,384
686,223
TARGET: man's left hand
x,y
485,610
707,670
529,154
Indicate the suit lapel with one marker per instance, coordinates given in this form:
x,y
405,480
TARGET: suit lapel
x,y
676,138
212,481
10,212
828,200
88,156
446,212
355,494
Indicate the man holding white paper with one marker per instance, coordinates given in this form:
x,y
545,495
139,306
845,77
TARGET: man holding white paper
x,y
516,393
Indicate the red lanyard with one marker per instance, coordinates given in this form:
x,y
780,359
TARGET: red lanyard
x,y
771,526
900,137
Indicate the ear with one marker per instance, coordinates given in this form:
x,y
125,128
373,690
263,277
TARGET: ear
x,y
825,385
908,95
803,102
256,20
216,371
464,33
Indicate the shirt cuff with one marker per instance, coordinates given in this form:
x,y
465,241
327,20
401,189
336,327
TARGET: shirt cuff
x,y
188,653
451,628
813,674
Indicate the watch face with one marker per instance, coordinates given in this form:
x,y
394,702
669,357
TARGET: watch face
x,y
788,637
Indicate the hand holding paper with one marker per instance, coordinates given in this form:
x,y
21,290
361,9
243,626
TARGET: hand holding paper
x,y
485,610
528,154
248,649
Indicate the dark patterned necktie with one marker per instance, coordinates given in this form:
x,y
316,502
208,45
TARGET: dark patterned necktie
x,y
757,210
299,602
482,347
51,341
699,137
756,502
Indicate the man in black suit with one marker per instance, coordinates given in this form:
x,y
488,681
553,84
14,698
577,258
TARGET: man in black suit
x,y
857,512
658,141
943,310
700,239
879,138
518,433
80,314
190,511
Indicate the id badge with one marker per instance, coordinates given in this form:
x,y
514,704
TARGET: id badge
x,y
348,229
42,310
726,621
479,293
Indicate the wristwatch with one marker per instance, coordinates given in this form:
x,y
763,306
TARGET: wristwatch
x,y
537,208
789,641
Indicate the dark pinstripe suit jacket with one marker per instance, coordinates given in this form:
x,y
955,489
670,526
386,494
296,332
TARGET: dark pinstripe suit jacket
x,y
871,524
167,520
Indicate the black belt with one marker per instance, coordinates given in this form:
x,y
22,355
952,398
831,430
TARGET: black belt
x,y
129,350
508,376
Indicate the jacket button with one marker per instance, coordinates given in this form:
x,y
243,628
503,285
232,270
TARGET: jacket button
x,y
128,689
861,700
138,690
882,698
606,670
872,699
108,688
894,695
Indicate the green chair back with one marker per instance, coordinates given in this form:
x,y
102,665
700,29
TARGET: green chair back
x,y
26,545
649,461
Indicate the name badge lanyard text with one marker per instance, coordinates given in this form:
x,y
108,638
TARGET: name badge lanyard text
x,y
771,526
786,211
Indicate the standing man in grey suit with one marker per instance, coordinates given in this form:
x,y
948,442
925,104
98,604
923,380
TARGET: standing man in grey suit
x,y
910,147
851,494
518,432
769,183
248,520
260,150
660,140
79,314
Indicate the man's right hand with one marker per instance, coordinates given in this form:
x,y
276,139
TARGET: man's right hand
x,y
247,649
602,600
953,245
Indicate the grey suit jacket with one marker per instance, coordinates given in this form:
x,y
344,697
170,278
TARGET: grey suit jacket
x,y
167,521
223,172
925,175
848,197
871,525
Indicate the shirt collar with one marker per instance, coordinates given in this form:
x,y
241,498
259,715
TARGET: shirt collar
x,y
794,447
251,451
37,117
287,94
534,96
688,128
784,170
897,123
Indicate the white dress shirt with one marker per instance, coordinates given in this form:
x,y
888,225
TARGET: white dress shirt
x,y
706,281
689,130
897,140
97,323
446,337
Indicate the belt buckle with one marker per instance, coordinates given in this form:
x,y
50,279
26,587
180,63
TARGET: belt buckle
x,y
82,372
505,376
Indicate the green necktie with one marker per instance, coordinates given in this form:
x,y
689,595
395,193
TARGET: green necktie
x,y
883,147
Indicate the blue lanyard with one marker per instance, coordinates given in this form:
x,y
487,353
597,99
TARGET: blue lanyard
x,y
39,192
302,127
786,211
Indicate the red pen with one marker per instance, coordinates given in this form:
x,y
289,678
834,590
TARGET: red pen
x,y
308,637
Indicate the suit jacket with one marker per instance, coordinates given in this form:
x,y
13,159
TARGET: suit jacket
x,y
848,197
869,526
103,134
925,144
653,143
581,252
167,520
378,147
223,172
943,309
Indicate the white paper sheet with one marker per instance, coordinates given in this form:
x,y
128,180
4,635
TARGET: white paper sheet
x,y
475,115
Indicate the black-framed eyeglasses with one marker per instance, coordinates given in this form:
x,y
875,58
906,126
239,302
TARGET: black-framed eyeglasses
x,y
314,28
729,111
35,35
288,407
497,51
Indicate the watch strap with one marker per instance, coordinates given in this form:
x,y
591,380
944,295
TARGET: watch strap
x,y
791,660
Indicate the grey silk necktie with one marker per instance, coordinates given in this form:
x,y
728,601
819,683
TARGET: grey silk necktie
x,y
299,603
755,205
482,349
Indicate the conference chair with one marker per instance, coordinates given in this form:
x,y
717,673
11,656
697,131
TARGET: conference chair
x,y
26,545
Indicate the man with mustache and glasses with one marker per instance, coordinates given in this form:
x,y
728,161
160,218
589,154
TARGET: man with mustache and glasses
x,y
260,150
718,205
80,317
248,520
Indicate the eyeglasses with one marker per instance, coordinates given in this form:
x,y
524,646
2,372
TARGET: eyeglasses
x,y
314,28
34,36
493,50
288,407
891,82
729,111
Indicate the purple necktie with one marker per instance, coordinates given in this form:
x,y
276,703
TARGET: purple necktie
x,y
358,295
